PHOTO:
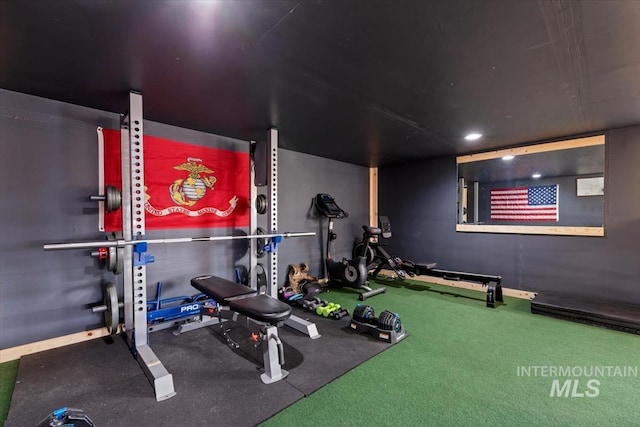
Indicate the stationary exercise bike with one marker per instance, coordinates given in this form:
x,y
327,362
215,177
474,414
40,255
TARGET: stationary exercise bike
x,y
351,273
375,254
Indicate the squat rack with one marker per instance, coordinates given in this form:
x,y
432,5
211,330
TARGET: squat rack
x,y
133,243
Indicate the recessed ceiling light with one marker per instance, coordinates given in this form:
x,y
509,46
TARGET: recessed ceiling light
x,y
536,175
509,157
473,136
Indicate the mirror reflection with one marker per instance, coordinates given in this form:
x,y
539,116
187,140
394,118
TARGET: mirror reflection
x,y
555,188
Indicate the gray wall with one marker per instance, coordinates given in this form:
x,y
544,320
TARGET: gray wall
x,y
303,176
48,158
420,199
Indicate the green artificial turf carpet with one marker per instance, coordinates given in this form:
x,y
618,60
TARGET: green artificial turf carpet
x,y
466,364
8,371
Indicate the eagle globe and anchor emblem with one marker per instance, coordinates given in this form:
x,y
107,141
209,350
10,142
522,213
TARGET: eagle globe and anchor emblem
x,y
186,192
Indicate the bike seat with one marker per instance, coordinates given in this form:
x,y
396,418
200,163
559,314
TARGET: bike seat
x,y
371,231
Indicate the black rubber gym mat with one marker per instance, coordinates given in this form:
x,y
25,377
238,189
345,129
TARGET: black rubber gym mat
x,y
336,352
610,314
214,383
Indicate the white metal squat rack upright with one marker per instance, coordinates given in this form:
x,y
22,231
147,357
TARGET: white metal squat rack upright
x,y
133,228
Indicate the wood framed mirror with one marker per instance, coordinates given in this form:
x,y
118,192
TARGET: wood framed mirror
x,y
556,188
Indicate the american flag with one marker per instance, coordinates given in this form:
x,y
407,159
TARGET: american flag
x,y
525,203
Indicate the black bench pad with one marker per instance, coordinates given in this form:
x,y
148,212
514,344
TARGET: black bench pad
x,y
240,298
221,290
262,307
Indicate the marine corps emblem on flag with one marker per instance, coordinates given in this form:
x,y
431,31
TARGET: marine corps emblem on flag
x,y
186,186
188,191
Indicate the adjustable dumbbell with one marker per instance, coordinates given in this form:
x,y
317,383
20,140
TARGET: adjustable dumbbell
x,y
387,321
364,314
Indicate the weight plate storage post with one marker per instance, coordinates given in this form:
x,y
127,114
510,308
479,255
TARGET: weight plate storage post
x,y
112,198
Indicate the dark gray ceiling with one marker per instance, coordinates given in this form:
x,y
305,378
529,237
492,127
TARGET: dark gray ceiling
x,y
366,82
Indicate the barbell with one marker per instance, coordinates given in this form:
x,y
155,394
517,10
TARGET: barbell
x,y
121,243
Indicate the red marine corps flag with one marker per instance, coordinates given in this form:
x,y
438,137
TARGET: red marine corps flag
x,y
186,186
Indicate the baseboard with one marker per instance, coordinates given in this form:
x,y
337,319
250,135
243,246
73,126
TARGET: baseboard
x,y
17,352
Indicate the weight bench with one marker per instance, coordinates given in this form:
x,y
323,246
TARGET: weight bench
x,y
261,308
